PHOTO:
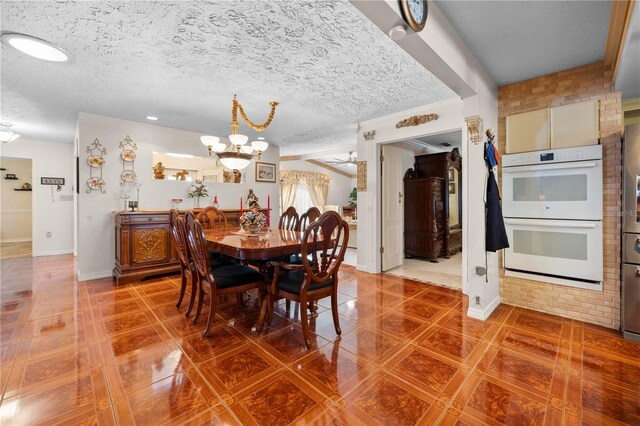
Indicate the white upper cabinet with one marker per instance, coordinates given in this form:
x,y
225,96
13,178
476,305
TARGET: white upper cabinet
x,y
528,131
574,125
551,128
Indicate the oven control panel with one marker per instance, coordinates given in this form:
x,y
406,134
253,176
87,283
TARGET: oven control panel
x,y
564,155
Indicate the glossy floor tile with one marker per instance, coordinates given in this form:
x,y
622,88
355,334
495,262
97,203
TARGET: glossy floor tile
x,y
92,353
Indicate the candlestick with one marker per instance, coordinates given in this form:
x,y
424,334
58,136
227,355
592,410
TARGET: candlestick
x,y
268,211
240,205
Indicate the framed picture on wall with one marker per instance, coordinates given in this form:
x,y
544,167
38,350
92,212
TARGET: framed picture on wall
x,y
452,188
265,172
451,175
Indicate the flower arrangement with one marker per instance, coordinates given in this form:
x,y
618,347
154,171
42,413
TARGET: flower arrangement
x,y
197,191
253,221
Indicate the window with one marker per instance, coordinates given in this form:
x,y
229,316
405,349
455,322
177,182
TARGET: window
x,y
303,199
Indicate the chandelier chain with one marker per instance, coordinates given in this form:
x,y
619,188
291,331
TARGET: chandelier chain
x,y
256,127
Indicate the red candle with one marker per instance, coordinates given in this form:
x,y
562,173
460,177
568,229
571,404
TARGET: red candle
x,y
268,211
241,206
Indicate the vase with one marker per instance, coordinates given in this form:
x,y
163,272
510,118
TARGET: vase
x,y
197,202
252,229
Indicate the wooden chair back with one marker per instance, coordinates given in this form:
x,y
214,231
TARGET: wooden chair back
x,y
212,218
178,232
308,217
198,248
289,219
329,235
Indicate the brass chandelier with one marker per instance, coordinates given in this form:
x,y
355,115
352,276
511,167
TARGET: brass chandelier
x,y
239,154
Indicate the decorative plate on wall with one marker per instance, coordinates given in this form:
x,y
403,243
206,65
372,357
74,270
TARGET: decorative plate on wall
x,y
95,161
128,155
95,182
128,175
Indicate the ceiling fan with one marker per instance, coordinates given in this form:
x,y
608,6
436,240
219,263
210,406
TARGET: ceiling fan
x,y
352,160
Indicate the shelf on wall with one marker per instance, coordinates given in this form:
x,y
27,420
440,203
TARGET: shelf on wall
x,y
20,189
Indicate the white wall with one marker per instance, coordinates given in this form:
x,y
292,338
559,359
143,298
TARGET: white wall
x,y
49,214
15,206
96,250
369,202
441,50
340,187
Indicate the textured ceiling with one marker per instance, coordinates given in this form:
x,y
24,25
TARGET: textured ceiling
x,y
326,64
518,40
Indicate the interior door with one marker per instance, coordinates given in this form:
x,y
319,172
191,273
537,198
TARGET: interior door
x,y
396,162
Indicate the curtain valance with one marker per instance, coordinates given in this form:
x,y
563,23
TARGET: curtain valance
x,y
290,177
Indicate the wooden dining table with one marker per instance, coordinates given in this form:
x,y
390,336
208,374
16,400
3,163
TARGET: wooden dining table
x,y
275,243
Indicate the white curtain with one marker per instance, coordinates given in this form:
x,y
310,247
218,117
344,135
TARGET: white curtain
x,y
317,185
318,195
287,195
303,199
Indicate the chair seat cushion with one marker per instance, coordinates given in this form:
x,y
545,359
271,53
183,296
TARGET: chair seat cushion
x,y
291,282
235,275
219,262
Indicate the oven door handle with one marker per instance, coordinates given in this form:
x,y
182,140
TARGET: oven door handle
x,y
550,223
541,167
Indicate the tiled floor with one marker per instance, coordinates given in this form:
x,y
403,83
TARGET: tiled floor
x,y
89,353
447,272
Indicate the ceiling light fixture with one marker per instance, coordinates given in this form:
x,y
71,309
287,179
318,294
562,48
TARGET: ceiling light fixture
x,y
6,134
36,47
151,117
397,33
239,155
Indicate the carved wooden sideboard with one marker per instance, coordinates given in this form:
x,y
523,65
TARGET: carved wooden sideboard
x,y
144,246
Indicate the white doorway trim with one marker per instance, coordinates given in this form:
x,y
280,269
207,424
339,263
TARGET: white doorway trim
x,y
451,118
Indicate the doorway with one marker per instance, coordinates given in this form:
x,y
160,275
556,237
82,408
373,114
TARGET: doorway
x,y
421,209
16,208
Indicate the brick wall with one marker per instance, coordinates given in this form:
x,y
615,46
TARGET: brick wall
x,y
588,82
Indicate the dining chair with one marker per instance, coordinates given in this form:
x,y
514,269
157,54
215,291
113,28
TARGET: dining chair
x,y
324,245
307,218
289,219
220,281
178,232
212,218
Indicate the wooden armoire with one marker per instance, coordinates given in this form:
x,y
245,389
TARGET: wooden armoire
x,y
427,229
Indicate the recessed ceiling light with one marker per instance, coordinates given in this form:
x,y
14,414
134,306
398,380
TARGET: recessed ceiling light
x,y
260,138
151,117
35,47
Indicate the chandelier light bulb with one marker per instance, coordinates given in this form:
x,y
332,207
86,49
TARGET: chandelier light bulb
x,y
233,160
238,140
6,134
209,140
260,145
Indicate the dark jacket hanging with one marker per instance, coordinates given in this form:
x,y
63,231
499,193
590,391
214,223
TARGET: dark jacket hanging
x,y
496,234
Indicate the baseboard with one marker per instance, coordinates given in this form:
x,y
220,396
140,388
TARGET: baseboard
x,y
363,268
15,240
94,275
483,314
53,252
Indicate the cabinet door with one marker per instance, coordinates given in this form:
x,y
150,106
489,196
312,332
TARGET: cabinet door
x,y
528,131
150,244
574,125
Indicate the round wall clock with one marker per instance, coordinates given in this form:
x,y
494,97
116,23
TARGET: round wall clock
x,y
414,12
